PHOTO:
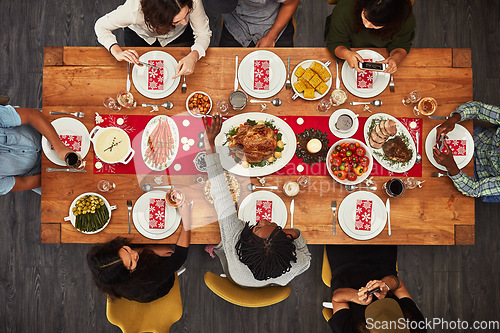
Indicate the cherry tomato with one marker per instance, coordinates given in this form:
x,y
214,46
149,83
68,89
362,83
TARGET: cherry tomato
x,y
357,144
351,176
338,148
348,153
359,170
342,154
276,130
334,168
352,147
360,151
364,161
341,175
336,161
335,153
354,158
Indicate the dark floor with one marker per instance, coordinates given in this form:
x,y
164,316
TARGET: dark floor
x,y
47,288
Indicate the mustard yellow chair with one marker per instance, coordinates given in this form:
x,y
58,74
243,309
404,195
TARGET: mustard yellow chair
x,y
246,297
156,316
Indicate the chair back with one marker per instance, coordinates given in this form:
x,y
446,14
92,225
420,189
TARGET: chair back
x,y
246,297
326,271
156,316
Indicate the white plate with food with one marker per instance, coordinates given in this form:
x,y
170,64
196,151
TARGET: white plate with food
x,y
160,143
390,142
317,74
344,169
89,213
335,117
69,130
111,144
277,74
459,135
232,182
380,79
370,222
245,157
150,224
248,208
140,75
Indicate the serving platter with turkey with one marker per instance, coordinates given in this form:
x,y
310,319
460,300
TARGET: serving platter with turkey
x,y
255,144
390,142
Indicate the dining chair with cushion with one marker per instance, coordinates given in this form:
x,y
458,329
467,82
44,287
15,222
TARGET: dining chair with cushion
x,y
246,297
156,316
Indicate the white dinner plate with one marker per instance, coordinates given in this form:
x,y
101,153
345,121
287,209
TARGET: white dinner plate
x,y
333,120
67,126
277,73
228,163
140,75
247,210
144,142
380,80
140,216
347,215
72,217
305,65
458,133
379,155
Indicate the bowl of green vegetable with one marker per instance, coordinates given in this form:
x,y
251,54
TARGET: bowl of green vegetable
x,y
89,213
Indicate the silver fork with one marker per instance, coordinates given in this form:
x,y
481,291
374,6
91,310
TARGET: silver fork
x,y
391,84
129,207
288,83
76,114
184,86
334,209
438,174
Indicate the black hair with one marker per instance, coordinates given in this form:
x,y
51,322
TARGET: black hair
x,y
266,258
159,14
112,277
390,14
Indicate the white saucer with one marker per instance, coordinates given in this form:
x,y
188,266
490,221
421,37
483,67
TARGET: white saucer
x,y
333,120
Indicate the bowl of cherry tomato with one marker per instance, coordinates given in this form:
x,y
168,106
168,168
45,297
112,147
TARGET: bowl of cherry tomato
x,y
199,104
349,161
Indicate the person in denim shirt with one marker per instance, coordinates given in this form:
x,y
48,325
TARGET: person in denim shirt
x,y
21,132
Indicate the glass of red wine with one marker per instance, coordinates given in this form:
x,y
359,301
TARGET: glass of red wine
x,y
394,187
74,160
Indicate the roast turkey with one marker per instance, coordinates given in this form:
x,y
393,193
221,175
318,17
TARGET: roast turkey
x,y
253,143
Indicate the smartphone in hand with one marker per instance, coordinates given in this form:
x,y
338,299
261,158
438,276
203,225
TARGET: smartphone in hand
x,y
371,292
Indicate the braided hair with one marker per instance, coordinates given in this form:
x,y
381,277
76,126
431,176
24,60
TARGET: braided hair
x,y
266,258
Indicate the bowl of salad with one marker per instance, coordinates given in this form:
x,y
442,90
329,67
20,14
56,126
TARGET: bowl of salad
x,y
349,161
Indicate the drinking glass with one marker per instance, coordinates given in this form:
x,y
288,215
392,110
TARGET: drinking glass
x,y
411,183
412,98
223,107
105,186
324,105
394,187
200,180
303,181
426,106
74,160
126,99
111,104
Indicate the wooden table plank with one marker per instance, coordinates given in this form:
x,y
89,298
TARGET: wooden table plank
x,y
435,214
52,56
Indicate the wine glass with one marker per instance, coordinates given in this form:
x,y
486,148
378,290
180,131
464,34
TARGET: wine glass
x,y
223,107
303,181
105,186
126,99
324,105
200,180
412,98
111,104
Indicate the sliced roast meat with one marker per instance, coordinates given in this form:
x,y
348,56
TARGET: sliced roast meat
x,y
390,126
373,144
382,127
375,137
379,132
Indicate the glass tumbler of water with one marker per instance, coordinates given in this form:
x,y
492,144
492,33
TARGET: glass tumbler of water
x,y
324,105
105,186
223,107
412,98
111,104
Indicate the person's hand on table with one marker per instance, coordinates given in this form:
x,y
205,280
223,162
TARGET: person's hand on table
x,y
185,212
447,126
392,65
211,131
352,59
63,150
130,56
265,41
446,159
187,64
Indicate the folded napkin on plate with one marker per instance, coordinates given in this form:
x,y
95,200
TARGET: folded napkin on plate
x,y
264,210
364,80
155,76
458,147
261,75
156,213
363,215
72,141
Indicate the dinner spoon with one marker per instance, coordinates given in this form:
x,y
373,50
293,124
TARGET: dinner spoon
x,y
418,159
167,105
146,187
252,187
353,187
275,102
376,103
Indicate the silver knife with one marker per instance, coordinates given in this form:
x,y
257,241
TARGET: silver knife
x,y
148,65
292,206
65,169
388,207
439,117
128,76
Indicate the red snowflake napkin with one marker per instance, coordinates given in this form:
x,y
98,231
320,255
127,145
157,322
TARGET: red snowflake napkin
x,y
72,141
458,147
363,215
264,210
364,80
261,75
155,76
156,213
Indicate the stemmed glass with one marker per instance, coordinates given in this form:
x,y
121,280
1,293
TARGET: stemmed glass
x,y
105,186
223,107
412,98
324,105
111,104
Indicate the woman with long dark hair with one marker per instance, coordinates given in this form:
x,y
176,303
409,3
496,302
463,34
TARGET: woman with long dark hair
x,y
371,23
141,274
157,23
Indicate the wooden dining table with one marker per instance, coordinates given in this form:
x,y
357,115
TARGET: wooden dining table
x,y
77,79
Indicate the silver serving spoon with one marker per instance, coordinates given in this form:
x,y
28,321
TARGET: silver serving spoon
x,y
167,105
418,159
376,103
148,187
252,187
275,102
353,187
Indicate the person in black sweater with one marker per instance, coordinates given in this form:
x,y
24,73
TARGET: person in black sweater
x,y
141,274
356,270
